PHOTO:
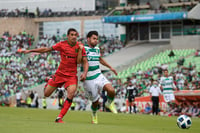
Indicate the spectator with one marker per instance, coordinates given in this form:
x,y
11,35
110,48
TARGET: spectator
x,y
171,54
148,109
131,93
18,98
155,93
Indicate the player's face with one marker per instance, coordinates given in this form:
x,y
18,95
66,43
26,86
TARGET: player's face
x,y
166,73
72,37
93,40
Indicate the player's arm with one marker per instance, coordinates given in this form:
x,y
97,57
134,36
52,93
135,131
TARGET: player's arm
x,y
160,85
103,62
79,57
82,58
85,68
38,50
174,87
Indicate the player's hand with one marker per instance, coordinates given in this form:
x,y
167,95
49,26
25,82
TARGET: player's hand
x,y
83,77
80,45
115,72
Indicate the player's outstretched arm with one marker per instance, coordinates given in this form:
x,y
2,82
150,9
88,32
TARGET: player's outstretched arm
x,y
103,62
39,50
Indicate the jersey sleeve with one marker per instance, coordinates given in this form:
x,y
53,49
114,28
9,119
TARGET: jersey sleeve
x,y
84,52
161,82
57,47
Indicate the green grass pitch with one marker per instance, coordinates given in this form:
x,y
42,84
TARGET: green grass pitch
x,y
21,120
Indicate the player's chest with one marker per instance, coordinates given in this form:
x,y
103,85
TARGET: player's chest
x,y
68,50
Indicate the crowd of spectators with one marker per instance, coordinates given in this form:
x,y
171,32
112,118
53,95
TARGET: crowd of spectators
x,y
17,70
162,9
20,72
24,12
150,8
12,70
185,78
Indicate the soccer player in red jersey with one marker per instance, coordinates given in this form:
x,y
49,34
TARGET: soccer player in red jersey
x,y
71,53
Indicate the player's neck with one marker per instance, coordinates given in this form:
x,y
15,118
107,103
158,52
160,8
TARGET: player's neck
x,y
90,45
71,43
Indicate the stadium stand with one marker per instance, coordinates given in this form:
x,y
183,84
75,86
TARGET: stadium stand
x,y
49,13
148,69
20,72
147,9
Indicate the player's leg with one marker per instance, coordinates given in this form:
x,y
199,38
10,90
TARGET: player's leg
x,y
172,98
67,104
130,104
110,97
49,90
71,87
134,107
91,90
51,85
95,107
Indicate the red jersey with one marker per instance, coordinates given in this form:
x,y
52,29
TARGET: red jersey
x,y
68,53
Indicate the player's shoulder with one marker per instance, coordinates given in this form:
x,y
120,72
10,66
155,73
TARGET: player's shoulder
x,y
162,78
96,47
61,42
86,45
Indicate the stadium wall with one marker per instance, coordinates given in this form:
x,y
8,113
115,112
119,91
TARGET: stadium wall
x,y
16,25
190,41
31,25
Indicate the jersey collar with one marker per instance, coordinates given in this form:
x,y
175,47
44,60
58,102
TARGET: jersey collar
x,y
89,46
71,44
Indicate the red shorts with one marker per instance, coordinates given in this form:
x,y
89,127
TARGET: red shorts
x,y
59,81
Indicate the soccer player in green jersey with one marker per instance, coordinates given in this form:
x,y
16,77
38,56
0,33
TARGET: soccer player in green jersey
x,y
95,81
168,87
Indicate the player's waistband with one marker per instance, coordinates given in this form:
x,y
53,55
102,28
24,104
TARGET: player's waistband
x,y
65,75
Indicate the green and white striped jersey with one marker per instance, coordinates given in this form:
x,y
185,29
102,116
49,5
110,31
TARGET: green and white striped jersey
x,y
167,83
93,55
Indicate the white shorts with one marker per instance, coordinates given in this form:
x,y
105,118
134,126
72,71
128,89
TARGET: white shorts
x,y
94,87
168,96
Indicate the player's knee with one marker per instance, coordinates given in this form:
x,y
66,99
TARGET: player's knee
x,y
71,94
46,94
111,90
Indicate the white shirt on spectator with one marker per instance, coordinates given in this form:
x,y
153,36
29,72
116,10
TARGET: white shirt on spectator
x,y
155,90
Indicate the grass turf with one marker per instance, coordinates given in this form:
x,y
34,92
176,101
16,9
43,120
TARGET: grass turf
x,y
21,120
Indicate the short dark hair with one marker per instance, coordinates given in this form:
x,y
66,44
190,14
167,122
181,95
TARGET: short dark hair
x,y
165,70
71,29
92,33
